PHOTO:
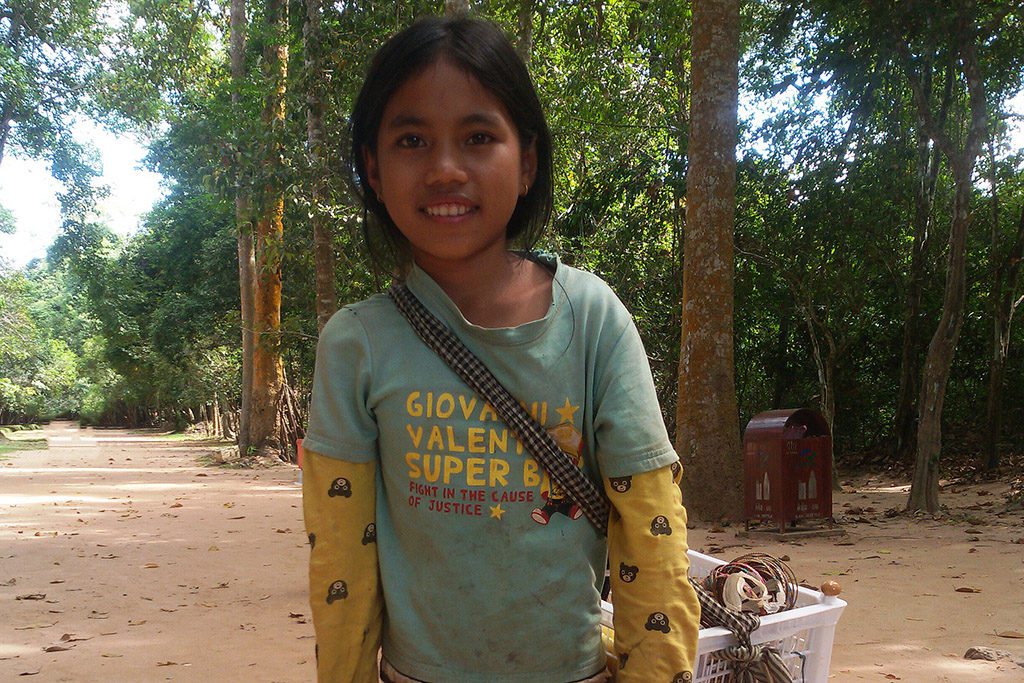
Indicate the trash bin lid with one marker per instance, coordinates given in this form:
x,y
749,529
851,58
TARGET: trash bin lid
x,y
787,423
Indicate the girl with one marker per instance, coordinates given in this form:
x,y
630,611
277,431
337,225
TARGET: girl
x,y
435,537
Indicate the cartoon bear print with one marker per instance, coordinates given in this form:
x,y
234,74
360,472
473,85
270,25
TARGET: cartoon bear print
x,y
337,591
660,527
628,572
370,534
677,468
657,622
682,677
312,541
340,487
621,484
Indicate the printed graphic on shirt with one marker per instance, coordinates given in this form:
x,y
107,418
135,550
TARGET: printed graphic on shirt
x,y
463,460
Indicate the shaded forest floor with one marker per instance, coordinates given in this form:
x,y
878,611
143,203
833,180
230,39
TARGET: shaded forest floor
x,y
124,558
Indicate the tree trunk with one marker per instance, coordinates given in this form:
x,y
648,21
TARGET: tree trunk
x,y
707,421
454,8
524,37
323,251
1004,302
267,367
924,489
243,222
929,159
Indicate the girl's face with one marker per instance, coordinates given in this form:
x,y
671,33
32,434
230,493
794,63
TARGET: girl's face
x,y
449,167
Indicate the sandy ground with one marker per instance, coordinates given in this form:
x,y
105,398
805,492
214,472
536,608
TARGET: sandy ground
x,y
131,561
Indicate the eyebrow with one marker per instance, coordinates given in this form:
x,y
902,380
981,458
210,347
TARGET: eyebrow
x,y
410,120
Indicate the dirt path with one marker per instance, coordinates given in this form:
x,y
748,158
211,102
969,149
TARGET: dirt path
x,y
155,568
164,569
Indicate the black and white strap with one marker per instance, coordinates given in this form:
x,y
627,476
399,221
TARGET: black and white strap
x,y
750,663
532,435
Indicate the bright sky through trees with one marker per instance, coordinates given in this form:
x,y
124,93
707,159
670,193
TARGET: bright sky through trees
x,y
30,193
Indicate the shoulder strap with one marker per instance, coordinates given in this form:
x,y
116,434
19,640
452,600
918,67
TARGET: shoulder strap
x,y
531,434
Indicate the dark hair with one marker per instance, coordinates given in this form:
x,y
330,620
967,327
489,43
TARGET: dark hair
x,y
483,51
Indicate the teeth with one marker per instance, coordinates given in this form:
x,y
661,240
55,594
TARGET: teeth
x,y
448,210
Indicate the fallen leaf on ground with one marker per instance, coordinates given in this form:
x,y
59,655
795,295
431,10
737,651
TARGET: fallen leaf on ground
x,y
31,596
176,505
1010,634
57,581
229,505
108,654
29,673
239,517
892,677
72,638
140,622
167,664
150,565
967,589
56,648
296,615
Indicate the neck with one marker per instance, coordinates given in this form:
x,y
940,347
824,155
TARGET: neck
x,y
503,291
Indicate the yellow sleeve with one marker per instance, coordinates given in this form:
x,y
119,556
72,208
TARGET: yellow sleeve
x,y
338,503
657,616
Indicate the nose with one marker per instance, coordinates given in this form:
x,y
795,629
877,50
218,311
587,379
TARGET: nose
x,y
446,166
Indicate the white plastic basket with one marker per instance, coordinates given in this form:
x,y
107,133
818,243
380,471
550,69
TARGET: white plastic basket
x,y
803,635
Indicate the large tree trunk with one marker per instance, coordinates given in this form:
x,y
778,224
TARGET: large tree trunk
x,y
268,369
924,489
323,251
243,222
929,159
707,421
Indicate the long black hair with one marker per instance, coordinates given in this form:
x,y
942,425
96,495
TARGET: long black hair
x,y
483,51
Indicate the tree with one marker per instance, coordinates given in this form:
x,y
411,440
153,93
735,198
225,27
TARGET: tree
x,y
708,430
243,220
313,78
961,149
268,382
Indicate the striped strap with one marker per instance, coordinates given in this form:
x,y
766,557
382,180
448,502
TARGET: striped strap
x,y
750,663
532,435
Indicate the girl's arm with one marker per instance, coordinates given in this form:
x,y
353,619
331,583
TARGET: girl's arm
x,y
657,616
338,503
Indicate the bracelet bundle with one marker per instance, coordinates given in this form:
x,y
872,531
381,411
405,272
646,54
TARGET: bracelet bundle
x,y
758,583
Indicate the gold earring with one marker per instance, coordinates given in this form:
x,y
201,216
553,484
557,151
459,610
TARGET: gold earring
x,y
526,189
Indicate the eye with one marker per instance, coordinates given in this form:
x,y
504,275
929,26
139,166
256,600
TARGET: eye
x,y
410,141
480,138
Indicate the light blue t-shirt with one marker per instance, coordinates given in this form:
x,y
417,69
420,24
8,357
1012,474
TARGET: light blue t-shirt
x,y
490,575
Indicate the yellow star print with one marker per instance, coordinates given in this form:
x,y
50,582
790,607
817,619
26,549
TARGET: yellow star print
x,y
567,412
496,511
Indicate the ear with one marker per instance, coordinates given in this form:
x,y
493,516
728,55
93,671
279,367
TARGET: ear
x,y
528,162
372,170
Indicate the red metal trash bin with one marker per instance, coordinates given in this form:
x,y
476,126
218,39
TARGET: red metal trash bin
x,y
787,467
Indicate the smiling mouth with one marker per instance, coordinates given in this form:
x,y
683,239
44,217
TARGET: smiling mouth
x,y
448,210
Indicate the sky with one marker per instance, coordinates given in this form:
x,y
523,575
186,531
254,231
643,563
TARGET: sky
x,y
29,192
